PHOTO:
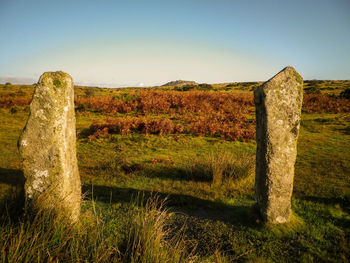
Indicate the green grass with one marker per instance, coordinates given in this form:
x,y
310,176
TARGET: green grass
x,y
138,232
218,220
323,167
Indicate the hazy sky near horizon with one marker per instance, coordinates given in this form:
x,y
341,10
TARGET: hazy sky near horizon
x,y
120,43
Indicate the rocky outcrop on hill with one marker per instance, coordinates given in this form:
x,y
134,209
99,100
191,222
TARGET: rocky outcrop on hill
x,y
179,83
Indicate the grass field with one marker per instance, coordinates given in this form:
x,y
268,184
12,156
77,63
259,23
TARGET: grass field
x,y
207,178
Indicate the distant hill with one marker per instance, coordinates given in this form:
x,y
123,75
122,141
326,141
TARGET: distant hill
x,y
15,80
179,83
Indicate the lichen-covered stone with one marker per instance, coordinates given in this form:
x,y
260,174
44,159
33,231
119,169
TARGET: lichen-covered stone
x,y
278,109
48,147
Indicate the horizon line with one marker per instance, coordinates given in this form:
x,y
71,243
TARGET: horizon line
x,y
31,81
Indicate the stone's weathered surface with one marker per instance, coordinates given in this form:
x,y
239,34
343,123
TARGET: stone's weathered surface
x,y
48,147
278,109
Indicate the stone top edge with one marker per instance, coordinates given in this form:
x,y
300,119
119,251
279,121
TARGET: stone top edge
x,y
287,71
59,75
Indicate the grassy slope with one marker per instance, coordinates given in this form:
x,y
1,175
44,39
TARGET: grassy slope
x,y
120,167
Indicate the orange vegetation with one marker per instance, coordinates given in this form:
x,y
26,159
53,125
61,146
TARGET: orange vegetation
x,y
321,103
194,112
223,114
8,102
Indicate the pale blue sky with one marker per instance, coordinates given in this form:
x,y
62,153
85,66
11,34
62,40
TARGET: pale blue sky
x,y
119,43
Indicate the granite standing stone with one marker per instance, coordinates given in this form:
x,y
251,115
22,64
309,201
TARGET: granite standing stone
x,y
48,147
278,109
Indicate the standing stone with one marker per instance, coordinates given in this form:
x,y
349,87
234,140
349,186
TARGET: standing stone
x,y
48,147
278,109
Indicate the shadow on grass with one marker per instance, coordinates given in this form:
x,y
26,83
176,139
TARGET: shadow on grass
x,y
176,173
345,131
239,215
84,133
327,200
12,201
11,177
